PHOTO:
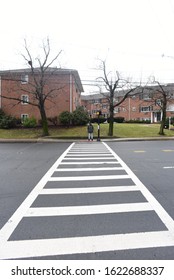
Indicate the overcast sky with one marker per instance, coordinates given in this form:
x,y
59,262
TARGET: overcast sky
x,y
136,37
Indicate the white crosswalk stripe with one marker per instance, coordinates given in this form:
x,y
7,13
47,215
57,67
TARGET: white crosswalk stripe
x,y
84,201
83,210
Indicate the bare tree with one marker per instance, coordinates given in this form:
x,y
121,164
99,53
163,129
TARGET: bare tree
x,y
40,78
115,90
39,87
160,96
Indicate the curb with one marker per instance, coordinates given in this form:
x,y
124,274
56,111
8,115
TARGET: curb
x,y
56,140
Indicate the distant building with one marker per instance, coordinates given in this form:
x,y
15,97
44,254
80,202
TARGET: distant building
x,y
136,107
66,94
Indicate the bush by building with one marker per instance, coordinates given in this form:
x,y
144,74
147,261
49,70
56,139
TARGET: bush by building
x,y
139,121
80,116
65,118
100,120
7,121
117,119
53,120
29,122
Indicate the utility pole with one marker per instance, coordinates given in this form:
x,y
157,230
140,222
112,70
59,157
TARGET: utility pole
x,y
98,114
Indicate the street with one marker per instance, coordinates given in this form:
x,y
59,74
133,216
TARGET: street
x,y
87,200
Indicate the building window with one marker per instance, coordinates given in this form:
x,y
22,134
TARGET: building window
x,y
94,111
24,79
133,109
146,109
116,100
97,101
24,99
117,110
147,96
133,96
24,117
158,102
104,106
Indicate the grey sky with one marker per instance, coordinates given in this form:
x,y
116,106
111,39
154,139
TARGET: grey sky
x,y
132,35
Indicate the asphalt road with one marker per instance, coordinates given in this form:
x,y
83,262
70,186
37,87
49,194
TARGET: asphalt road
x,y
98,197
153,163
22,165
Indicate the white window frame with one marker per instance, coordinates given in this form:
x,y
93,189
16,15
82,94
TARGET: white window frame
x,y
147,96
105,106
145,109
117,110
24,99
158,102
97,101
24,79
24,117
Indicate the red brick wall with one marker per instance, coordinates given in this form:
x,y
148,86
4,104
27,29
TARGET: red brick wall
x,y
59,102
130,109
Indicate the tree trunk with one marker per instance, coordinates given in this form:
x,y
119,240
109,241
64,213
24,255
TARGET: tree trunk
x,y
44,121
111,121
111,128
161,132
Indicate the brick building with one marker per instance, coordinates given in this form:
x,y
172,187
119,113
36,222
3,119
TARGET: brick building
x,y
64,85
136,107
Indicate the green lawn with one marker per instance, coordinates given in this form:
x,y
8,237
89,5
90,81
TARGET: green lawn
x,y
120,130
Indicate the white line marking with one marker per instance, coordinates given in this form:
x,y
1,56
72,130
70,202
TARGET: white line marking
x,y
89,162
88,178
88,169
89,190
164,216
91,148
10,226
86,155
168,167
87,209
87,158
87,244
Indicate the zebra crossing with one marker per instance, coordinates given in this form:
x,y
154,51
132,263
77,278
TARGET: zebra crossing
x,y
89,201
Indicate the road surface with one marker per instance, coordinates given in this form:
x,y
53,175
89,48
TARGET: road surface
x,y
88,205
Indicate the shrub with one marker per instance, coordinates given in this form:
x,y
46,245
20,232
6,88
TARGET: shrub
x,y
139,121
117,119
95,120
29,122
171,121
2,114
6,121
80,116
53,120
65,118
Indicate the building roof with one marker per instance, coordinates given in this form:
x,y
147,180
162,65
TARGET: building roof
x,y
92,96
169,88
103,95
53,70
